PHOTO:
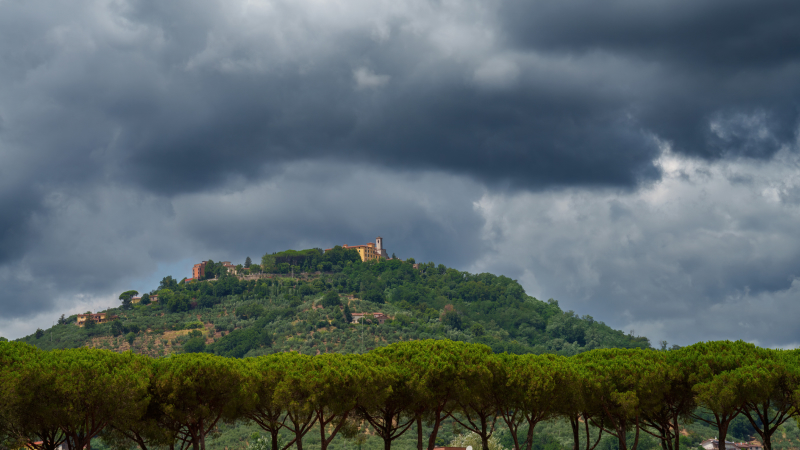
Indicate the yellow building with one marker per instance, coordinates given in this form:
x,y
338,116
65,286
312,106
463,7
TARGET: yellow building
x,y
96,318
369,251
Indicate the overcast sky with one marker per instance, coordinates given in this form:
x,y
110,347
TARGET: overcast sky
x,y
637,160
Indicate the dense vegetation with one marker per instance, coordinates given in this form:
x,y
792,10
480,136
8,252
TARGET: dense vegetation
x,y
624,399
265,310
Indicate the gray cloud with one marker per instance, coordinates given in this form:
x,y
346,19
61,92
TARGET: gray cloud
x,y
522,95
698,255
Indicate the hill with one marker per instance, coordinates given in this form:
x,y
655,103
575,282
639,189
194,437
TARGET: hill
x,y
284,304
281,305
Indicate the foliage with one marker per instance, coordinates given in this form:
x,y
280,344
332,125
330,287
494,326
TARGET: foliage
x,y
239,342
330,298
347,314
430,301
447,391
195,391
250,311
194,345
126,297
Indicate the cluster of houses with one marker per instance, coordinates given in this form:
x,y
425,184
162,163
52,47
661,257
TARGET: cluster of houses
x,y
713,444
379,317
367,252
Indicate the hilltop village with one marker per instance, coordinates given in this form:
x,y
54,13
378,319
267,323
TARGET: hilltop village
x,y
248,271
367,252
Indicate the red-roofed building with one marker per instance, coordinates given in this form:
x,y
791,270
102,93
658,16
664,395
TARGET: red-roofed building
x,y
379,317
199,271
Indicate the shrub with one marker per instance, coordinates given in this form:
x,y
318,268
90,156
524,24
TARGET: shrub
x,y
452,319
250,311
194,345
193,325
374,296
331,299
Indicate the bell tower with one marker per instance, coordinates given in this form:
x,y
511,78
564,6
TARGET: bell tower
x,y
378,244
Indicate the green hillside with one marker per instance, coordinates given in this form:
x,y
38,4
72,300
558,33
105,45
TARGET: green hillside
x,y
281,305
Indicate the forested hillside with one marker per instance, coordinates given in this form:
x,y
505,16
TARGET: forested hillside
x,y
303,300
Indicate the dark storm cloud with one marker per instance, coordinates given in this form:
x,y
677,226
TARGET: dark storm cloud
x,y
722,61
180,97
139,133
424,216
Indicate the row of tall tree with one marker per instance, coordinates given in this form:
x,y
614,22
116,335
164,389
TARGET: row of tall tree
x,y
47,398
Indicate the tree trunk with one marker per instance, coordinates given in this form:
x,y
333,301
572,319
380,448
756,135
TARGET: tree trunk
x,y
484,435
432,438
275,444
723,433
636,435
419,433
529,437
576,432
621,436
514,437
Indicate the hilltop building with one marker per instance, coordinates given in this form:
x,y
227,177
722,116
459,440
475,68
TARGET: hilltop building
x,y
379,317
96,318
199,270
153,299
369,251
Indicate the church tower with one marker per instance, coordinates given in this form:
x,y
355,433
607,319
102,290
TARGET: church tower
x,y
379,250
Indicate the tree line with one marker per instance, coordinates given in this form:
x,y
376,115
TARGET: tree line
x,y
48,398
